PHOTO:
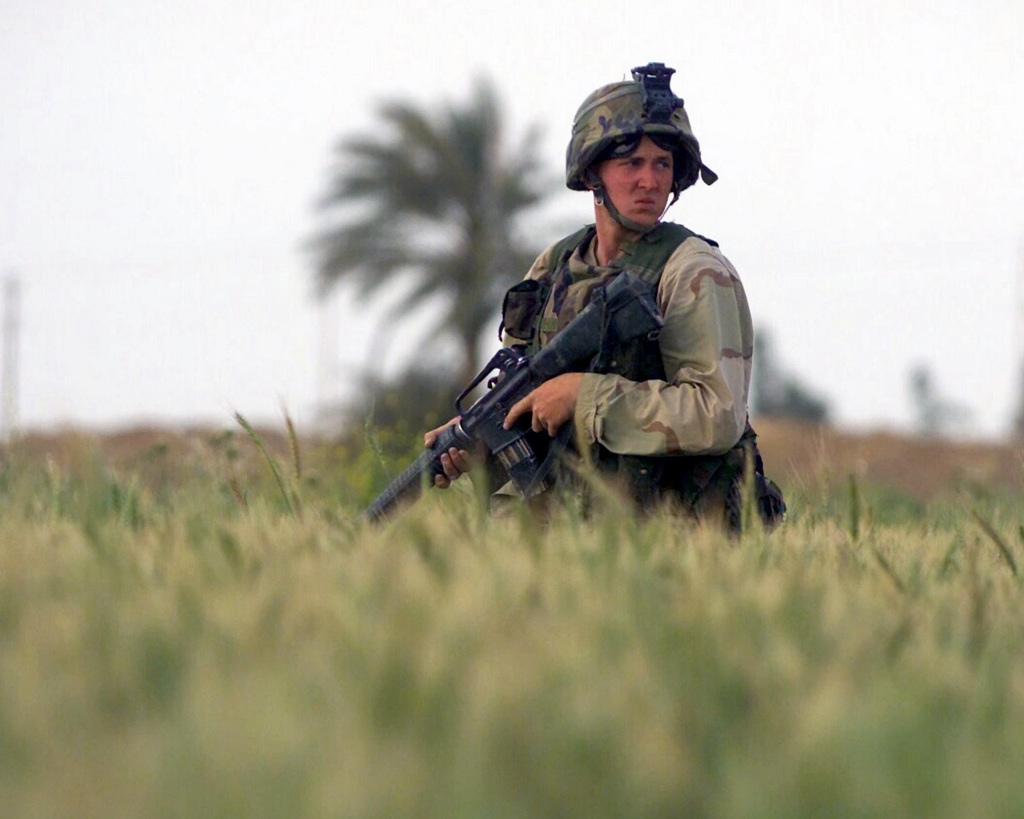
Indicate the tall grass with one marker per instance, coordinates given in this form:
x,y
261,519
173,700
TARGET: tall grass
x,y
166,650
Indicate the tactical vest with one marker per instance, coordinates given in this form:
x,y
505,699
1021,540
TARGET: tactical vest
x,y
535,310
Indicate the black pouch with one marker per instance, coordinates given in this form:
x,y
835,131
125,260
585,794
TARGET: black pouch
x,y
770,503
521,308
766,495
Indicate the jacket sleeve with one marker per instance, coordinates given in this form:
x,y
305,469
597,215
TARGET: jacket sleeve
x,y
707,348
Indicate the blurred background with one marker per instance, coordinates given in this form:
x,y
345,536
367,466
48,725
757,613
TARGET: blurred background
x,y
204,207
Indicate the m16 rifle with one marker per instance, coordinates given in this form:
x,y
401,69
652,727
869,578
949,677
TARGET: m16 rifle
x,y
619,312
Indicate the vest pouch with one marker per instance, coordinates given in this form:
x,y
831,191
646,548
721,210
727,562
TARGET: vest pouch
x,y
643,476
687,480
521,309
770,502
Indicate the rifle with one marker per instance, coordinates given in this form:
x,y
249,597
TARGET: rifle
x,y
619,312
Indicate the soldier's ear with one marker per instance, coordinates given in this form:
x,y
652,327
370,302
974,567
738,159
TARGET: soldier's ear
x,y
591,179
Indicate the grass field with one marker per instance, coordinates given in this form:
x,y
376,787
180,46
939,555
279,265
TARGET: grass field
x,y
185,632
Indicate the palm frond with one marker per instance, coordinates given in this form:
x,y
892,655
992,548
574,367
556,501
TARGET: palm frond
x,y
434,197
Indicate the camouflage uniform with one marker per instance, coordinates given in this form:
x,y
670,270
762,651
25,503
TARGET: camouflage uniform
x,y
706,349
668,417
688,409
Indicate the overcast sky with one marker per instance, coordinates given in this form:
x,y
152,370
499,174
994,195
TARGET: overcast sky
x,y
160,162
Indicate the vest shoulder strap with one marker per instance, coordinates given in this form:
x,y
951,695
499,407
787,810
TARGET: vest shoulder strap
x,y
646,260
564,248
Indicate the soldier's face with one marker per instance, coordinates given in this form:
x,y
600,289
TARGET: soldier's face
x,y
639,184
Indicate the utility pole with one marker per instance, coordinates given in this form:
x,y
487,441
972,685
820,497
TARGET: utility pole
x,y
1017,423
9,362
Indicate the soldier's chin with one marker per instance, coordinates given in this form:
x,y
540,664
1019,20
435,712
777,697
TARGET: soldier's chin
x,y
646,218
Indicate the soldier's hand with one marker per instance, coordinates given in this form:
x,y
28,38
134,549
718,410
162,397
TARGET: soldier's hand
x,y
552,404
454,462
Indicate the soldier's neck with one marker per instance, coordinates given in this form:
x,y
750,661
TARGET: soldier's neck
x,y
611,236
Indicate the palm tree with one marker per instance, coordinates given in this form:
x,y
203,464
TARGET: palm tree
x,y
433,201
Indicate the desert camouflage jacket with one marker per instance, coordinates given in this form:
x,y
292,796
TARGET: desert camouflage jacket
x,y
706,348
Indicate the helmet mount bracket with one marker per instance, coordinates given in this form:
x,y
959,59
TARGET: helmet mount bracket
x,y
655,92
615,116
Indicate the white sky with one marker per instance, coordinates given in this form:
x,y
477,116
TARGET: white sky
x,y
160,162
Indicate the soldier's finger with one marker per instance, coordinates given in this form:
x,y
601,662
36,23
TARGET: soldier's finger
x,y
431,436
451,470
518,409
460,459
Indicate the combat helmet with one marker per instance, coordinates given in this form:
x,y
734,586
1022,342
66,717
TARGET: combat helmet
x,y
619,114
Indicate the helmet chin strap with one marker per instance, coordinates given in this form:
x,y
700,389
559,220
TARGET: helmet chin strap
x,y
602,198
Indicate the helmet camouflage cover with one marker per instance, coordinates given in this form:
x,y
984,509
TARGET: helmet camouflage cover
x,y
624,111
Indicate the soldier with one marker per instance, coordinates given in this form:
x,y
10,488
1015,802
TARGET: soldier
x,y
666,417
